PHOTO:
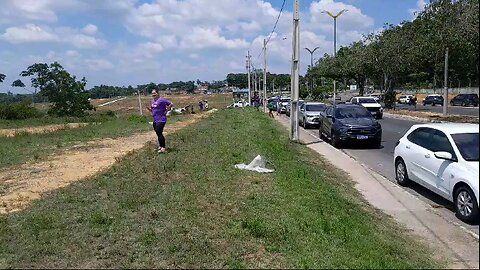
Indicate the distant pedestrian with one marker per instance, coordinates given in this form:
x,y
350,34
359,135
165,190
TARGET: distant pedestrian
x,y
206,105
270,107
200,106
159,109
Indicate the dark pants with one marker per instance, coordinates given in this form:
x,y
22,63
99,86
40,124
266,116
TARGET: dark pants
x,y
158,127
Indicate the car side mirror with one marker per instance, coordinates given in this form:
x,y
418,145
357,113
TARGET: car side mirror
x,y
444,155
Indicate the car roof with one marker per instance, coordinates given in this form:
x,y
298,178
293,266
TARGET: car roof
x,y
314,103
452,128
365,97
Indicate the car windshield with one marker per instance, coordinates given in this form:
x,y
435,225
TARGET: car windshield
x,y
285,100
316,107
352,112
467,144
366,100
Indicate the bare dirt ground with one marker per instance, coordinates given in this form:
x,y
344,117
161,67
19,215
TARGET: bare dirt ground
x,y
12,132
29,181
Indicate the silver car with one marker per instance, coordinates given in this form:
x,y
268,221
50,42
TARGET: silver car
x,y
289,106
310,113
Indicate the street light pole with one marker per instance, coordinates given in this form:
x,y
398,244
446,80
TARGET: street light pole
x,y
249,80
334,46
265,75
311,67
294,134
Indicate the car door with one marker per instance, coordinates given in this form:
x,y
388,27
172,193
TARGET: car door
x,y
439,171
328,123
416,152
302,112
324,124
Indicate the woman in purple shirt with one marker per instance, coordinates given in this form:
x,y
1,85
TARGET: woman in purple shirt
x,y
159,109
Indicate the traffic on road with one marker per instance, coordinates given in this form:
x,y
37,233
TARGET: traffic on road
x,y
436,162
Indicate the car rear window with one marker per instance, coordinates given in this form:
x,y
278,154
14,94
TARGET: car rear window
x,y
316,107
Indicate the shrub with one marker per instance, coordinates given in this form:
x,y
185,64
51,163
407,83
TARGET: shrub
x,y
18,111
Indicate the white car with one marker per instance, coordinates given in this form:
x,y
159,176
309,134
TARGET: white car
x,y
444,158
405,99
371,104
238,104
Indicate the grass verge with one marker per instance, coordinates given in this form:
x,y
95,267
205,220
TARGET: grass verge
x,y
26,147
190,208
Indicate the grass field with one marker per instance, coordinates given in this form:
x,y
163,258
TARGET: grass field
x,y
30,147
190,208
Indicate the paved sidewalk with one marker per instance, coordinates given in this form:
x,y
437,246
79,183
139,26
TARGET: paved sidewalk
x,y
448,241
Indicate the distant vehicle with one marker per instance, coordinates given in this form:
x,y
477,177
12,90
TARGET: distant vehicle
x,y
370,104
289,106
378,97
311,113
465,100
444,158
238,104
282,103
405,99
350,122
433,100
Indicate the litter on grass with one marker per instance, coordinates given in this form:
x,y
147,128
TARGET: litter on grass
x,y
257,165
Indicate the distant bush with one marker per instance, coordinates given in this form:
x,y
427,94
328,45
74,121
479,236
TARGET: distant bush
x,y
138,119
18,111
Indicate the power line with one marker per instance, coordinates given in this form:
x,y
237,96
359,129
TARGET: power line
x,y
274,28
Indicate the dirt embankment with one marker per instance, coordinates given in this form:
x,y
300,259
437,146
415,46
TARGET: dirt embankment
x,y
12,132
29,181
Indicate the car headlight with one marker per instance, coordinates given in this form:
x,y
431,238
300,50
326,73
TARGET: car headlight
x,y
381,109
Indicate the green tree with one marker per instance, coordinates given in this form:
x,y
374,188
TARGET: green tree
x,y
68,96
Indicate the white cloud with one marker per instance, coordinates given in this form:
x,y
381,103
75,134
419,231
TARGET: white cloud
x,y
99,64
201,38
36,10
90,29
419,8
31,33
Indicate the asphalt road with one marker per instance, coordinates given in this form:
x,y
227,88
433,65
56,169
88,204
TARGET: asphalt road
x,y
381,161
470,111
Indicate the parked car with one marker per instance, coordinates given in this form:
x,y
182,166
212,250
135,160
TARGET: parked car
x,y
465,100
289,106
378,97
444,158
370,104
350,122
238,104
433,100
282,103
311,113
405,99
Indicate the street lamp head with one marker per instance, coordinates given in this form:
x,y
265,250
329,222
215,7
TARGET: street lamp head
x,y
335,16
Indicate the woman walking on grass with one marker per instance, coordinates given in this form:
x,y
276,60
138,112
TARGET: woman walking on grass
x,y
159,109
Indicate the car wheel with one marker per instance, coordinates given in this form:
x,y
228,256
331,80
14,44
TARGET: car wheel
x,y
466,207
320,133
452,104
401,173
464,104
334,140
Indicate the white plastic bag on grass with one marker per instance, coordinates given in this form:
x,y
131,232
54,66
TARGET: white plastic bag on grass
x,y
257,165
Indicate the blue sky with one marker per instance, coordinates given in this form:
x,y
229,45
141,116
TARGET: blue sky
x,y
130,42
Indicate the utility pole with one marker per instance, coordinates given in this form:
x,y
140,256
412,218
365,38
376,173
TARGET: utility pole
x,y
294,136
335,46
139,102
311,67
249,80
445,91
264,75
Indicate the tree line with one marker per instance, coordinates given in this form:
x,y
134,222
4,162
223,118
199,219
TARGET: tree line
x,y
412,54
